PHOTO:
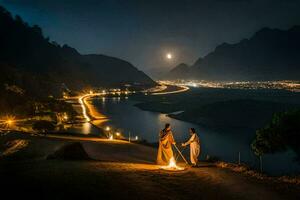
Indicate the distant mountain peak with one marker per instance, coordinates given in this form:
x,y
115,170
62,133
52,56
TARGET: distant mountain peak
x,y
198,61
270,54
27,57
182,67
295,28
179,71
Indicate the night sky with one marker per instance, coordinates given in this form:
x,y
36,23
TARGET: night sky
x,y
143,31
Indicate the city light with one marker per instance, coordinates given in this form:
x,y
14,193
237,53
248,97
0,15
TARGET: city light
x,y
107,128
293,86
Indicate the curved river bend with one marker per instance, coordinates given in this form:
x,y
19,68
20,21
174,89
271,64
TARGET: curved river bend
x,y
146,125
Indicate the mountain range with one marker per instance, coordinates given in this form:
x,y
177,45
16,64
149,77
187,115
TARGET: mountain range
x,y
38,67
270,54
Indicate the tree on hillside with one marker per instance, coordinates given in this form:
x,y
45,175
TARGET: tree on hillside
x,y
43,126
282,133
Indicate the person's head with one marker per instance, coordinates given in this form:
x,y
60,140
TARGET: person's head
x,y
167,126
192,131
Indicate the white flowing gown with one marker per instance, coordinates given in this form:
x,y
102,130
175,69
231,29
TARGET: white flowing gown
x,y
194,143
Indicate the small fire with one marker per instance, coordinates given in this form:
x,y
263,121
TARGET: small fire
x,y
172,165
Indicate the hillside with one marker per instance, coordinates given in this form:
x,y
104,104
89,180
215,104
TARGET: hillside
x,y
271,54
39,67
180,71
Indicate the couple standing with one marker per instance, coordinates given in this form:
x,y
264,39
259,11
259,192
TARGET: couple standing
x,y
166,140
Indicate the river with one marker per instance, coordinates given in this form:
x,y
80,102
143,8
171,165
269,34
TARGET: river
x,y
128,119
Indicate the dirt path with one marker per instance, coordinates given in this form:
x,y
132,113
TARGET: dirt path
x,y
121,170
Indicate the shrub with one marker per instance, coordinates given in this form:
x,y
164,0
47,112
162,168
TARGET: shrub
x,y
43,126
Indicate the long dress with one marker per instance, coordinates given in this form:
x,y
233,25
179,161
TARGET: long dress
x,y
165,152
194,143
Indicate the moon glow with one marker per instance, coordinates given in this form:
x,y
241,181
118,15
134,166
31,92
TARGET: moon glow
x,y
169,56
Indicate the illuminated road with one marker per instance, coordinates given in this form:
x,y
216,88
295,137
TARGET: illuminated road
x,y
82,101
179,90
88,111
164,88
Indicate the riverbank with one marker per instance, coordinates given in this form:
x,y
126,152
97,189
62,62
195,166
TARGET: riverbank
x,y
117,170
88,114
223,110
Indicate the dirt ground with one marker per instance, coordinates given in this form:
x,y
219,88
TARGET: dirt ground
x,y
119,170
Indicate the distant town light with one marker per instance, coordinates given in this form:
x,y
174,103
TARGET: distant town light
x,y
107,128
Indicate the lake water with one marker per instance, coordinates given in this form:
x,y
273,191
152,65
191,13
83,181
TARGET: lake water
x,y
127,118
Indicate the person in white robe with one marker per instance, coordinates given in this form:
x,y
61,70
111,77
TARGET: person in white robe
x,y
194,143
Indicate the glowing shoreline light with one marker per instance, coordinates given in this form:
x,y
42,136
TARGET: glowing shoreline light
x,y
84,111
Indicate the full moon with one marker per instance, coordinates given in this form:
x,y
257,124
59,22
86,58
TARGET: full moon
x,y
169,56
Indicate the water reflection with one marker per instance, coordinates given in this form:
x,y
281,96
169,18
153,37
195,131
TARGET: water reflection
x,y
86,128
127,118
83,128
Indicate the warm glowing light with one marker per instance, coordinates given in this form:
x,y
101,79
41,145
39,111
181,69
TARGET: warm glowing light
x,y
107,128
136,138
169,56
172,165
111,137
181,88
84,105
84,111
65,116
118,134
9,121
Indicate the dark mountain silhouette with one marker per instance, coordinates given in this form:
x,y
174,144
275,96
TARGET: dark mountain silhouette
x,y
271,54
180,71
32,63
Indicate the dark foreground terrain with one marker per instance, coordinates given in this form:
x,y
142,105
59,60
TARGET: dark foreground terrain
x,y
117,170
